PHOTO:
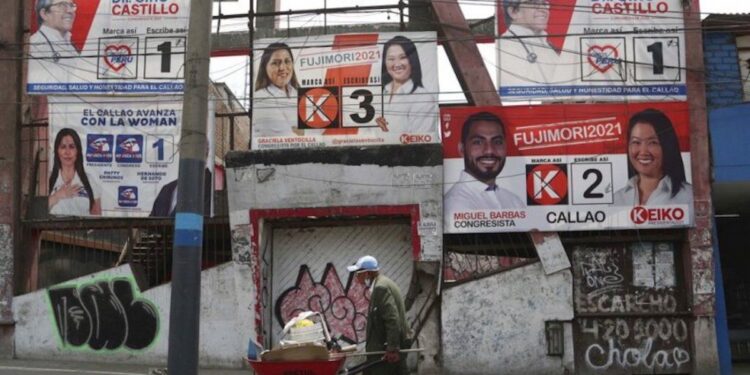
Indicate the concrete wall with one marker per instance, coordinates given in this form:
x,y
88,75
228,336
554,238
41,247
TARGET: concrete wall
x,y
495,325
224,329
345,182
346,176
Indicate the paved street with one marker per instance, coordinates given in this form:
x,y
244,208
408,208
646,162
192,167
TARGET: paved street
x,y
22,367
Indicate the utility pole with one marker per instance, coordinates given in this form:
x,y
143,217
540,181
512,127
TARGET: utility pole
x,y
184,313
11,63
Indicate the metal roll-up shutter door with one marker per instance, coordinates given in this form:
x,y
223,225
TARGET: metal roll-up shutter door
x,y
322,250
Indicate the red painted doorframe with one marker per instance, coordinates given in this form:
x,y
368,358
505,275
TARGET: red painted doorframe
x,y
343,212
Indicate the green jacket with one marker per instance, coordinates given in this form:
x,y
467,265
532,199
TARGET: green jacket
x,y
386,325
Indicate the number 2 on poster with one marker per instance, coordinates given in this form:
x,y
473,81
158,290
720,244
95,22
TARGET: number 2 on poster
x,y
591,183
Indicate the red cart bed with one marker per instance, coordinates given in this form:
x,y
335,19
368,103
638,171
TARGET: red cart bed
x,y
319,367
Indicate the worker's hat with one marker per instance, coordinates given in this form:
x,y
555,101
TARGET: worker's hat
x,y
366,263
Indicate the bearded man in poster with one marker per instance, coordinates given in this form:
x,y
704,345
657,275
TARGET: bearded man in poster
x,y
483,147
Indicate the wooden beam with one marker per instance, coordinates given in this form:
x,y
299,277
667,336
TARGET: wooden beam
x,y
235,43
462,51
66,238
463,54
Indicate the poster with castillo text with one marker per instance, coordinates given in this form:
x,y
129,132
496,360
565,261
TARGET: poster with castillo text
x,y
116,157
345,90
107,46
567,167
606,50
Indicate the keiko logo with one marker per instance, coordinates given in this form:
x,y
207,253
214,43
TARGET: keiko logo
x,y
415,138
642,215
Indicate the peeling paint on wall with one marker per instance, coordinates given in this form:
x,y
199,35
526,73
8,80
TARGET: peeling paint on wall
x,y
6,272
241,250
703,280
495,325
460,266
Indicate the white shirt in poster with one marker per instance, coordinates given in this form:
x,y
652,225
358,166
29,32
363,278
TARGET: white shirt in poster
x,y
50,56
526,58
410,112
661,196
78,205
274,113
471,194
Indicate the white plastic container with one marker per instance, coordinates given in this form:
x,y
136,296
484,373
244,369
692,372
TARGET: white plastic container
x,y
307,334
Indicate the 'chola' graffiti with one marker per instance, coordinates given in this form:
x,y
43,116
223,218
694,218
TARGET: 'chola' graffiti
x,y
599,358
104,315
345,309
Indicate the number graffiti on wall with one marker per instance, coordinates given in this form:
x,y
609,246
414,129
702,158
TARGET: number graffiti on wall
x,y
104,315
344,308
634,328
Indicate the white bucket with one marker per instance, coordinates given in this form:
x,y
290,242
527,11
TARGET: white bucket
x,y
307,334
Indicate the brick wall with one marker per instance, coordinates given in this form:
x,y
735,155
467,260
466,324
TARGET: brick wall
x,y
723,81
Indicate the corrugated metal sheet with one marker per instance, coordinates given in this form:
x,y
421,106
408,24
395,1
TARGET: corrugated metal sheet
x,y
340,246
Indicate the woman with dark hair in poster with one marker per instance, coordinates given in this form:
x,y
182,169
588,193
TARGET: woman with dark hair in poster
x,y
655,167
408,106
275,101
71,190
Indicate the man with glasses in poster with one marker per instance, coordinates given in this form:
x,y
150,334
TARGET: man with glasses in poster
x,y
50,47
526,57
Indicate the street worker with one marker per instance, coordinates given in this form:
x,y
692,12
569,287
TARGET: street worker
x,y
386,320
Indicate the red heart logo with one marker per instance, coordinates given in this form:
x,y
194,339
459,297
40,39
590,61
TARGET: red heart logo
x,y
603,58
117,56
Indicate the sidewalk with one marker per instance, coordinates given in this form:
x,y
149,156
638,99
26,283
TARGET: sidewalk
x,y
741,368
27,367
30,367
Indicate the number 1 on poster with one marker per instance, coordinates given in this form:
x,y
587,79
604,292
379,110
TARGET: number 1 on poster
x,y
161,149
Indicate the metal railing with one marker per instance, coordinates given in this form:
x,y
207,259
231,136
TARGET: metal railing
x,y
78,249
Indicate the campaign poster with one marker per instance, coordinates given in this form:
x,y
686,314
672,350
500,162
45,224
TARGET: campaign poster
x,y
345,90
605,50
566,167
116,157
107,47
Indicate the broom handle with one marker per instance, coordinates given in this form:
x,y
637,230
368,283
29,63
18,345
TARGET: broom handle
x,y
383,352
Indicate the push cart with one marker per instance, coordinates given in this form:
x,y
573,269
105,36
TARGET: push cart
x,y
304,353
308,352
318,367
